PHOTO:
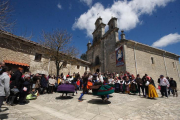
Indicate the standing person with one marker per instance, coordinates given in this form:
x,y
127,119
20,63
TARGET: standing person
x,y
4,84
75,79
127,85
121,86
52,82
17,78
37,78
168,89
25,88
151,89
16,83
133,86
78,84
44,83
173,87
101,78
140,84
145,81
81,83
85,80
164,83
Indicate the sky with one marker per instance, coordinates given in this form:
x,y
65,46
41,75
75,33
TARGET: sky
x,y
152,22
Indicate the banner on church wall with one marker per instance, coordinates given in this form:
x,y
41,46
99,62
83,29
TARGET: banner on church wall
x,y
119,56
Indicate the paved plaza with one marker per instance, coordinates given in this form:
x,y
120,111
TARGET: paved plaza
x,y
122,107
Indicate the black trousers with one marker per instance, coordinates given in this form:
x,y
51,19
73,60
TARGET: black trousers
x,y
142,88
1,100
146,90
22,96
164,91
50,89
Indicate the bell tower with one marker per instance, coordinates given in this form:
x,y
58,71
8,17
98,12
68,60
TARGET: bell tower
x,y
112,23
99,30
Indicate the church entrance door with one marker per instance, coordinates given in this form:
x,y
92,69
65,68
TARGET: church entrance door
x,y
97,70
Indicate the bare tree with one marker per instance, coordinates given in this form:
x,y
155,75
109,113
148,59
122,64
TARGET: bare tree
x,y
61,51
5,13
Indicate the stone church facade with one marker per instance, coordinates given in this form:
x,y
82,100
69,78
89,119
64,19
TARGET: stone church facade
x,y
136,58
19,52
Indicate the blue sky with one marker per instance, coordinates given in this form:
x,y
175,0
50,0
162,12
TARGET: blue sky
x,y
145,21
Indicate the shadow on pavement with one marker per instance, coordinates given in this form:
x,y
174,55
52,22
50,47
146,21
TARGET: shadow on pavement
x,y
64,97
3,116
100,96
3,109
99,102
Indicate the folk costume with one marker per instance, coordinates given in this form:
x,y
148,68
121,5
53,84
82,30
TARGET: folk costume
x,y
127,87
102,90
133,87
151,90
85,90
66,88
122,86
117,86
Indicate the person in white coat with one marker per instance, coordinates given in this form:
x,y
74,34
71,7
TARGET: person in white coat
x,y
164,83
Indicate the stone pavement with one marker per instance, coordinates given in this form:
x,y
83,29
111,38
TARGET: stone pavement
x,y
122,107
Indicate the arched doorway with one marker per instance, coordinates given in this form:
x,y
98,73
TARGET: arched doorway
x,y
97,70
97,61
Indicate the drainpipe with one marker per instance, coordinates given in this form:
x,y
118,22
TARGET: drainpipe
x,y
177,70
135,59
70,69
125,62
165,64
48,65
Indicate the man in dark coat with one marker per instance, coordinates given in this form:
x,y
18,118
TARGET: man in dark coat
x,y
173,87
140,84
16,83
144,80
44,83
17,79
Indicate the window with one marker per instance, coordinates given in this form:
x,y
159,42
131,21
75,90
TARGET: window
x,y
38,57
173,64
64,64
78,66
86,68
152,60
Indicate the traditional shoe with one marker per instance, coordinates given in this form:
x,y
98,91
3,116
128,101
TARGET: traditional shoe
x,y
105,99
80,100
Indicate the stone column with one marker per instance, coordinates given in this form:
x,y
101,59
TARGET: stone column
x,y
135,58
165,64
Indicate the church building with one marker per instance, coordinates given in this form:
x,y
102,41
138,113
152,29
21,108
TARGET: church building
x,y
109,53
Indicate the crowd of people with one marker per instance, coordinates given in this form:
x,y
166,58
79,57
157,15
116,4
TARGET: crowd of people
x,y
14,87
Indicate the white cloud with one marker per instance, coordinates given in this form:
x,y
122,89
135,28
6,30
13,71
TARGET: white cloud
x,y
87,2
127,12
167,40
59,6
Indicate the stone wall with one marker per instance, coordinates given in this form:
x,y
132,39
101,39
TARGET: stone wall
x,y
144,63
14,49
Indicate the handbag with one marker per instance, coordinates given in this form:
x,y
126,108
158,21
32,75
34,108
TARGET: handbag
x,y
147,83
15,90
159,87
